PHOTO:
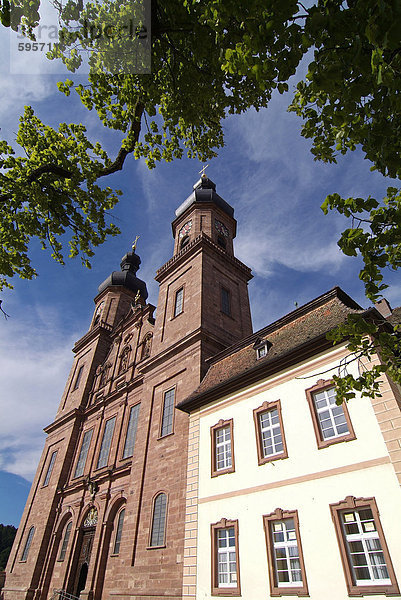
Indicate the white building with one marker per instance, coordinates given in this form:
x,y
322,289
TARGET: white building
x,y
288,493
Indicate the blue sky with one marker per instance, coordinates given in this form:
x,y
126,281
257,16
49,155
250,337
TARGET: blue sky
x,y
265,172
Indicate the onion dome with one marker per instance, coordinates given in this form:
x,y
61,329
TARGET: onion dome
x,y
127,276
205,191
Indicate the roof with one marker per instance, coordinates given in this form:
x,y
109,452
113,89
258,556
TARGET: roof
x,y
204,190
296,335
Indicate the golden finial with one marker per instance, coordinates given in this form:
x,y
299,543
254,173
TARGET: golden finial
x,y
202,171
134,243
136,300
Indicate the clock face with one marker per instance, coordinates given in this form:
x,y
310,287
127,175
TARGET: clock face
x,y
185,229
221,228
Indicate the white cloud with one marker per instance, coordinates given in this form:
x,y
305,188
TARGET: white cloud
x,y
35,359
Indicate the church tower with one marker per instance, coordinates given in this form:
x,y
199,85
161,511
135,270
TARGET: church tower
x,y
105,515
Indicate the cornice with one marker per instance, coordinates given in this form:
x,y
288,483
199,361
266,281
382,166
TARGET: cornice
x,y
72,414
202,241
102,329
256,373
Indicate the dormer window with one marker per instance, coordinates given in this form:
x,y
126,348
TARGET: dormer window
x,y
262,349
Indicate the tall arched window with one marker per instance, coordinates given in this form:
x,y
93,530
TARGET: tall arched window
x,y
119,531
66,538
158,534
28,543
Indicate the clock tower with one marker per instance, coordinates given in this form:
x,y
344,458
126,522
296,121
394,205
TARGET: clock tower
x,y
106,514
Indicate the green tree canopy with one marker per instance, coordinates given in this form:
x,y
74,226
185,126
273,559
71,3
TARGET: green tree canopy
x,y
209,59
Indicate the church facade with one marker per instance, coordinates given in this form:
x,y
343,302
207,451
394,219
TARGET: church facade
x,y
105,515
185,445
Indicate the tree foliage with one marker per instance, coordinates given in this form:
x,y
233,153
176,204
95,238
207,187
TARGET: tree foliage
x,y
7,535
210,59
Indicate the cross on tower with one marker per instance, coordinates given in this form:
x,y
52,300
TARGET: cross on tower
x,y
202,171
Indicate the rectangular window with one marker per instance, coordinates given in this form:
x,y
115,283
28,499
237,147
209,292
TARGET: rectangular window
x,y
269,428
225,301
225,560
131,431
106,443
50,468
331,422
168,412
78,378
178,305
79,469
286,565
222,448
366,560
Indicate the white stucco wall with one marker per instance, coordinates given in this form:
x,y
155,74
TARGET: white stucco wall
x,y
359,468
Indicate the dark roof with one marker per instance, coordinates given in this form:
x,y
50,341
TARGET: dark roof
x,y
205,191
290,339
127,276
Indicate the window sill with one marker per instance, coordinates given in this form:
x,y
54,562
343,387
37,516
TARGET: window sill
x,y
274,457
156,547
338,440
223,472
226,592
162,437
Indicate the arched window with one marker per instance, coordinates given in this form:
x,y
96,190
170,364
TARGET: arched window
x,y
119,531
157,537
184,242
66,539
124,359
28,543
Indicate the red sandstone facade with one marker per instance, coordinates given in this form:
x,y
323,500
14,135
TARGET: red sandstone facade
x,y
129,359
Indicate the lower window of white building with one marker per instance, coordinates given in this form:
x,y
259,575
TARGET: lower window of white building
x,y
225,571
364,552
286,566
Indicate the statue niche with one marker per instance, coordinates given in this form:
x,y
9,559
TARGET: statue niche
x,y
124,358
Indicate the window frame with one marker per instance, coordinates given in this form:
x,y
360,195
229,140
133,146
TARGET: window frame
x,y
215,472
275,588
86,454
224,290
119,531
136,406
78,378
102,466
28,544
321,386
350,503
65,541
152,519
178,291
171,431
50,467
216,589
268,407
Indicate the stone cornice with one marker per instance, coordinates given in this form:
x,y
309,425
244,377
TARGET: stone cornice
x,y
72,414
102,329
201,241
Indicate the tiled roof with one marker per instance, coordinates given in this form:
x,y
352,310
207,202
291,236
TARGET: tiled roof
x,y
289,336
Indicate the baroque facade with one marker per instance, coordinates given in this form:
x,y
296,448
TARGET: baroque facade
x,y
192,458
105,515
